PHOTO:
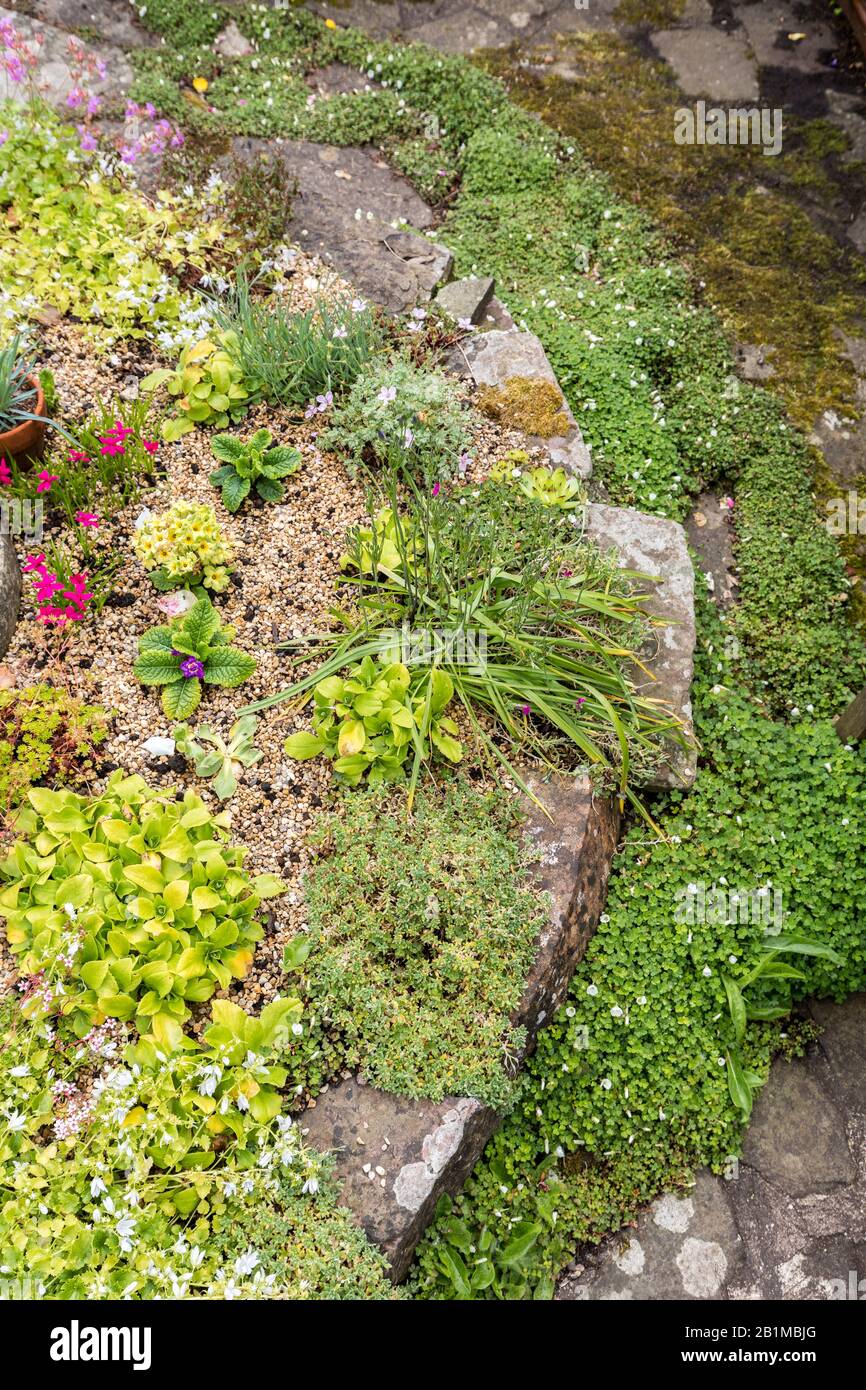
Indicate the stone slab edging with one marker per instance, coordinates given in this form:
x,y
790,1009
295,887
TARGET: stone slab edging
x,y
396,1156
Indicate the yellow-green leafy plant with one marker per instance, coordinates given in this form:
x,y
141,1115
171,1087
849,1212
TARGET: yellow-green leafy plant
x,y
128,905
552,487
209,386
45,735
382,546
185,547
371,721
214,758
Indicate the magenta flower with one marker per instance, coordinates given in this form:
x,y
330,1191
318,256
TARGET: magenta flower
x,y
435,489
192,668
729,503
151,445
111,446
87,519
75,456
34,562
45,480
526,709
5,475
580,701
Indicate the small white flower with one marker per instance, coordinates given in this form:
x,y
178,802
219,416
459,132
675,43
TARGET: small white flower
x,y
592,989
246,1263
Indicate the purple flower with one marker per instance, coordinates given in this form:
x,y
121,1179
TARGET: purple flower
x,y
4,136
93,106
192,668
526,709
388,393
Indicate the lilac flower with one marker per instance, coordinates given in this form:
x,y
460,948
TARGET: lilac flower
x,y
75,98
358,305
87,138
192,668
408,438
388,393
462,464
93,106
340,333
419,314
4,136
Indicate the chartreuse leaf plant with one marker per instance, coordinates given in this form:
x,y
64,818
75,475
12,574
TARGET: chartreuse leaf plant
x,y
371,721
258,463
192,649
209,386
128,906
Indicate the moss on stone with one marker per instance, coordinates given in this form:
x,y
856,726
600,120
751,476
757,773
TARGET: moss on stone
x,y
526,403
744,221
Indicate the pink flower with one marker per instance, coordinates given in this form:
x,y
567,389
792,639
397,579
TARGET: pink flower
x,y
111,446
87,518
435,489
729,503
93,106
45,481
526,709
34,562
5,475
75,98
77,591
48,586
75,456
151,445
119,430
88,139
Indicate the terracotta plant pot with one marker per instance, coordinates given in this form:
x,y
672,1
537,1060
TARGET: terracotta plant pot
x,y
27,440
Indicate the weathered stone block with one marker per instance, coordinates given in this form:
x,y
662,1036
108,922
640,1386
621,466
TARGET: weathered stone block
x,y
658,547
497,357
466,299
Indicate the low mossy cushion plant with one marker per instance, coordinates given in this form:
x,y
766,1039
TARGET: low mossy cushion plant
x,y
396,409
253,463
127,905
193,648
46,735
422,932
185,547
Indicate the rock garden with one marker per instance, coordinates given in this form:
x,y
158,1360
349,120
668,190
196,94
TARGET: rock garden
x,y
411,860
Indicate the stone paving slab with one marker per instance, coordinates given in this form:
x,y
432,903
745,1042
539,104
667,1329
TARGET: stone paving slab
x,y
424,1148
709,63
787,1221
349,210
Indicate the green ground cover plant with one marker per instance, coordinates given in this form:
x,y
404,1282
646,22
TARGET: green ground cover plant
x,y
78,240
421,934
127,906
46,736
193,649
